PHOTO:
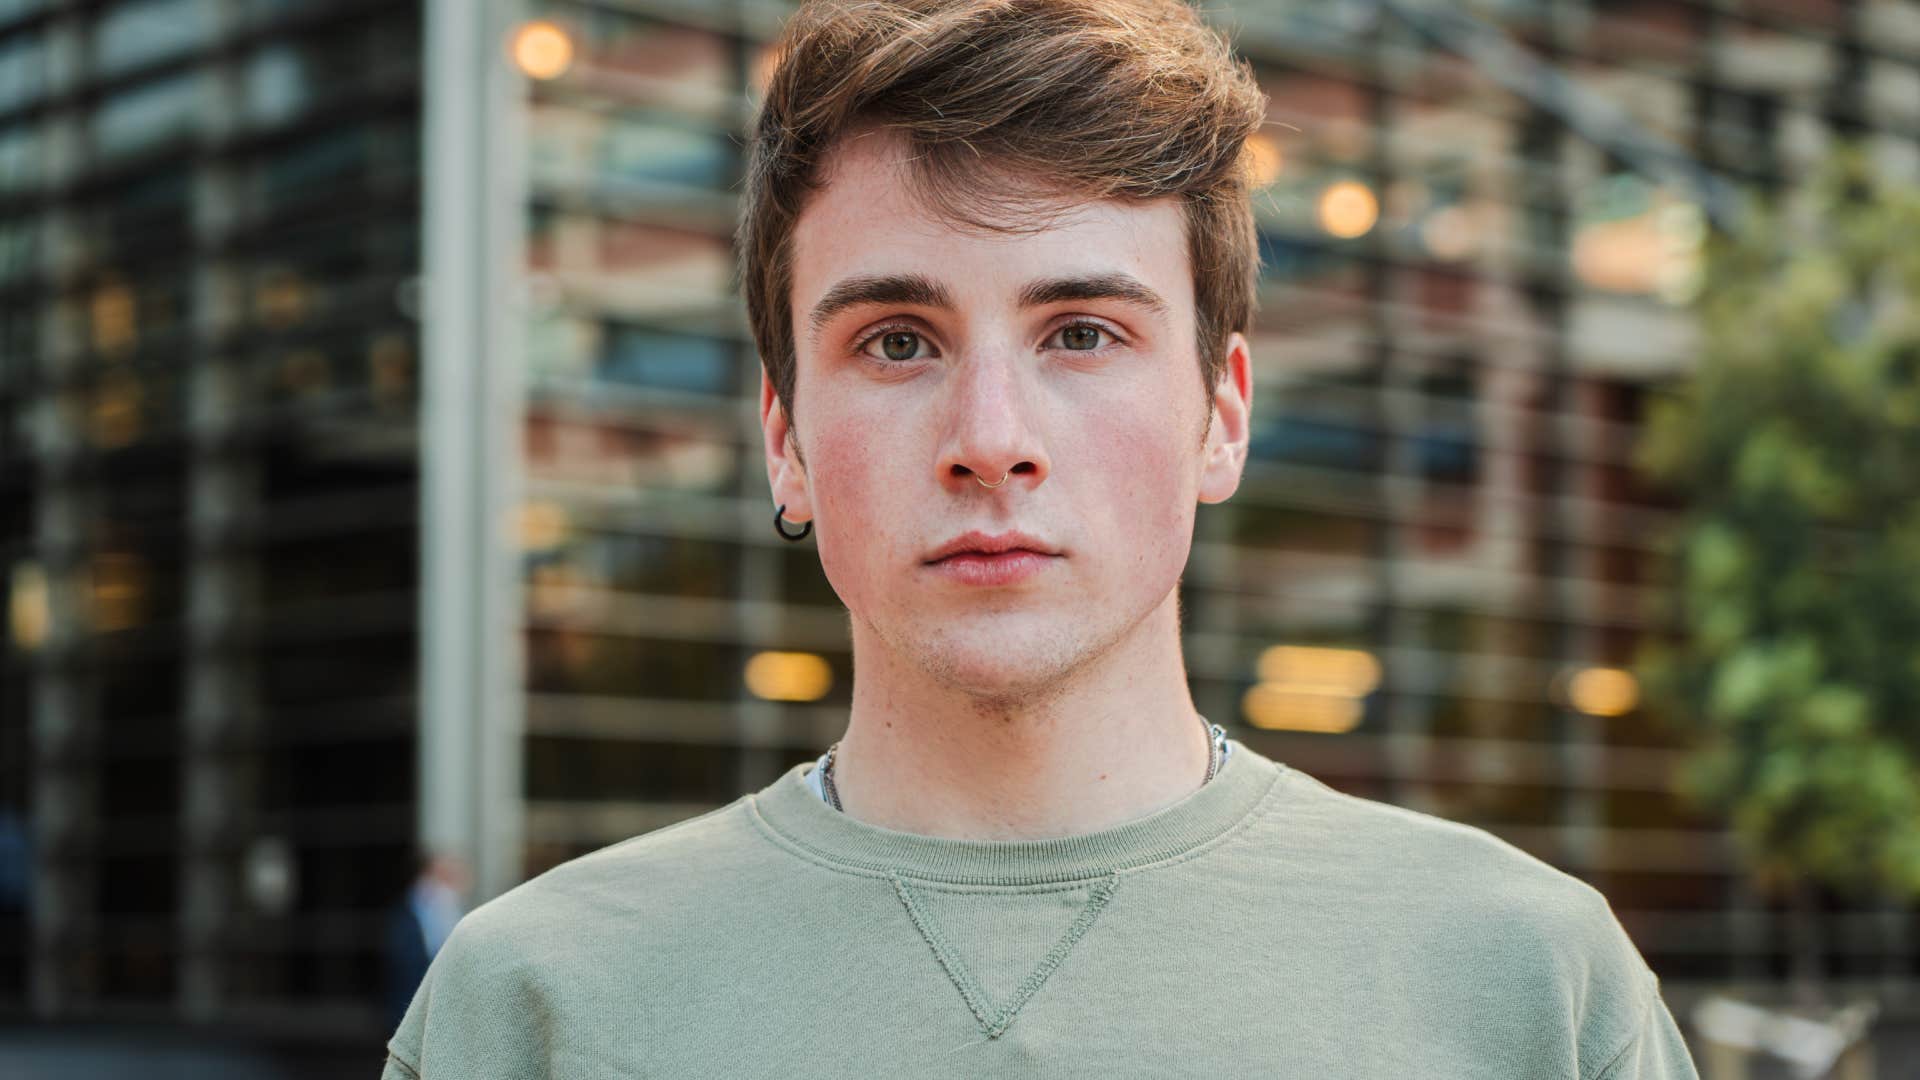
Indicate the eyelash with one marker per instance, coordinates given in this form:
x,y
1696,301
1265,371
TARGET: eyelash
x,y
897,328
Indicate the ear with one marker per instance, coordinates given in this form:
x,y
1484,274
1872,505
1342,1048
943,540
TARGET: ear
x,y
786,476
1225,454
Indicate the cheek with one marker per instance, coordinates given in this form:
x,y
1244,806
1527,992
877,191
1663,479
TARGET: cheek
x,y
853,518
1146,479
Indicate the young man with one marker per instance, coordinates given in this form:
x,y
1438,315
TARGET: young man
x,y
999,259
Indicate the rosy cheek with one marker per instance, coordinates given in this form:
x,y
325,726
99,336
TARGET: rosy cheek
x,y
1146,475
845,492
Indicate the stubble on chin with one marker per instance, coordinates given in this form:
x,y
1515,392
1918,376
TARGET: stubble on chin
x,y
1000,679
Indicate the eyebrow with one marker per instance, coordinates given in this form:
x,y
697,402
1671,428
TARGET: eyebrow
x,y
915,289
1092,287
921,291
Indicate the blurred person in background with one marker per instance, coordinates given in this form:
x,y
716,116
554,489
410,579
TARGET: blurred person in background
x,y
987,249
418,925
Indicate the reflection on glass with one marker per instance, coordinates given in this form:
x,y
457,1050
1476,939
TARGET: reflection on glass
x,y
19,249
314,165
149,212
277,85
1325,422
1300,254
141,31
20,159
1445,446
23,70
149,115
641,356
264,10
638,152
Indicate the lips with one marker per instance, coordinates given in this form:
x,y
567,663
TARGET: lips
x,y
979,543
1005,568
986,560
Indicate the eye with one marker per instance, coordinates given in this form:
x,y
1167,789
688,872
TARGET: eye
x,y
1082,336
896,343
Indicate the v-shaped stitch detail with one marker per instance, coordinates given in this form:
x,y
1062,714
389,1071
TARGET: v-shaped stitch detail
x,y
995,1020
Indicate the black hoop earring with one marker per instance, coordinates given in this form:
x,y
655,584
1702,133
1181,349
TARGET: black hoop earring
x,y
805,526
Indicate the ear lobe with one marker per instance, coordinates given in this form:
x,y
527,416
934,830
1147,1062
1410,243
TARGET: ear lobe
x,y
1228,436
786,478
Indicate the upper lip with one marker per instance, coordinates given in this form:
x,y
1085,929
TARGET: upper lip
x,y
980,543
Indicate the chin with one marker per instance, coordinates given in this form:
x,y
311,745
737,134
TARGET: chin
x,y
1002,659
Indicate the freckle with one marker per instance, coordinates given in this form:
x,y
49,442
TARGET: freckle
x,y
1103,776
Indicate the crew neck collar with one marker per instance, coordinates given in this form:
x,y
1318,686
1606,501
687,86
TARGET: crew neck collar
x,y
797,817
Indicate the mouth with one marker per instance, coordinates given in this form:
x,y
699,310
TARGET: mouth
x,y
985,560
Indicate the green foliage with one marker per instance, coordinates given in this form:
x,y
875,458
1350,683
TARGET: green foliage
x,y
1795,576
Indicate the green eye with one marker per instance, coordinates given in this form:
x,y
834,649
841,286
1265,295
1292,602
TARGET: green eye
x,y
900,344
1080,337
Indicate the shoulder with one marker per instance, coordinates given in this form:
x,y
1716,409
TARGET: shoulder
x,y
1540,943
1395,851
620,887
494,989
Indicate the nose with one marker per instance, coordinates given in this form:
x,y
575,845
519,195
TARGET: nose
x,y
992,430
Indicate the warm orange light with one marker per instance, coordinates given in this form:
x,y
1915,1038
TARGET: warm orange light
x,y
1344,672
1618,256
788,676
113,314
1604,691
1348,209
29,609
1264,160
119,590
281,301
543,525
542,49
116,412
1276,707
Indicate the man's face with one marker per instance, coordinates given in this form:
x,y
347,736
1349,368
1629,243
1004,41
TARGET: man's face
x,y
930,355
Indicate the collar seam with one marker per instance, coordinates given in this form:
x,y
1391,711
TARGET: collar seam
x,y
811,853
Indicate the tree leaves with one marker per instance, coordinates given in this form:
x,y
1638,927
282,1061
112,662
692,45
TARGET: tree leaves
x,y
1795,576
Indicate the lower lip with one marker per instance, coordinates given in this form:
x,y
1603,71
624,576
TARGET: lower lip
x,y
1004,568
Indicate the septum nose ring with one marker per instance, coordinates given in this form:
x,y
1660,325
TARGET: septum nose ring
x,y
1002,480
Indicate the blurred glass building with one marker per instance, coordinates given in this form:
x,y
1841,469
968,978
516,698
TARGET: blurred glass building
x,y
380,465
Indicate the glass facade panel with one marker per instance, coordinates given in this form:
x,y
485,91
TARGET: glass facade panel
x,y
139,32
23,71
150,115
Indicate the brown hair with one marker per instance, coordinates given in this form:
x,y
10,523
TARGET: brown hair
x,y
1065,100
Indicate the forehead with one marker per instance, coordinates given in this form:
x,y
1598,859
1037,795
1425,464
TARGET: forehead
x,y
870,217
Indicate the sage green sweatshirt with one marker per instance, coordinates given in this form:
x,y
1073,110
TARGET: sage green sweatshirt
x,y
1263,926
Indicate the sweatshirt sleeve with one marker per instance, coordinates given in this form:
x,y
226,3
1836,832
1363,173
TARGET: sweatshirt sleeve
x,y
478,1013
1657,1052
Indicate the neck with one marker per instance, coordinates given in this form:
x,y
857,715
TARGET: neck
x,y
1115,740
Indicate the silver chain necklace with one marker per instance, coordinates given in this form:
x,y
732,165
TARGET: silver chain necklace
x,y
1216,753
